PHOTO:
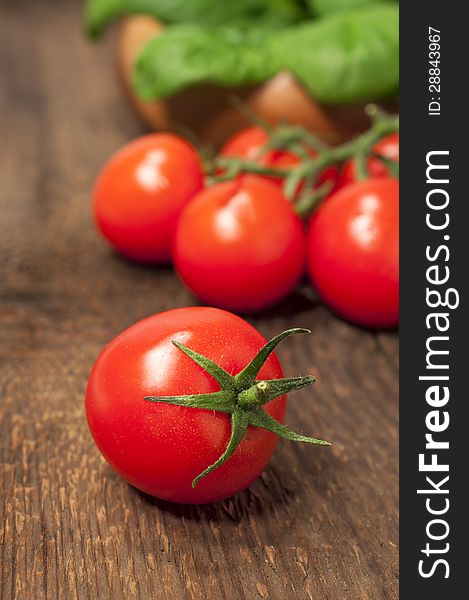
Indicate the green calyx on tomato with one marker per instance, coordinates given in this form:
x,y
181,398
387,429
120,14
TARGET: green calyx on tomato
x,y
242,397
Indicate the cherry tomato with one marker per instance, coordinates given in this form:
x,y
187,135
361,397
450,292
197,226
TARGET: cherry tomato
x,y
387,147
160,448
353,252
140,193
240,245
248,144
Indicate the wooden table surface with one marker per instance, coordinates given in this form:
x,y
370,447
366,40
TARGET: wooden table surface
x,y
319,524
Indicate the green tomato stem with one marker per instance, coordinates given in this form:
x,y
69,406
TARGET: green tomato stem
x,y
242,396
304,144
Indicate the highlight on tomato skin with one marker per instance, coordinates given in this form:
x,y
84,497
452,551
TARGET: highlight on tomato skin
x,y
240,245
161,448
353,252
140,193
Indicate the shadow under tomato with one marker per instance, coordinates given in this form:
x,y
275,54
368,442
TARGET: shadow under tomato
x,y
303,300
358,326
120,259
299,301
267,492
277,490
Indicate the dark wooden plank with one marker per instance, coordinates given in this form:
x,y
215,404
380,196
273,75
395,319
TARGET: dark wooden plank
x,y
319,524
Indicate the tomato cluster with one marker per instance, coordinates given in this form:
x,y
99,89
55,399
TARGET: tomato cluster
x,y
188,405
240,244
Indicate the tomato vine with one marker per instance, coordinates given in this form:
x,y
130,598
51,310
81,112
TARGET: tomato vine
x,y
303,144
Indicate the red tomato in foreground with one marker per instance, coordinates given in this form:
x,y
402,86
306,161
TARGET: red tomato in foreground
x,y
140,193
240,245
387,147
160,448
248,144
353,252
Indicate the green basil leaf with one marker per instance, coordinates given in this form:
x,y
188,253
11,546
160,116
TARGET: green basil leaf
x,y
269,14
185,55
324,7
345,57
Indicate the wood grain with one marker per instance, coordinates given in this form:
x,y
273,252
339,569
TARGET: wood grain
x,y
318,524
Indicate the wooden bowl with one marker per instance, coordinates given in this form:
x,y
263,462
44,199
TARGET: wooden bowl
x,y
207,112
